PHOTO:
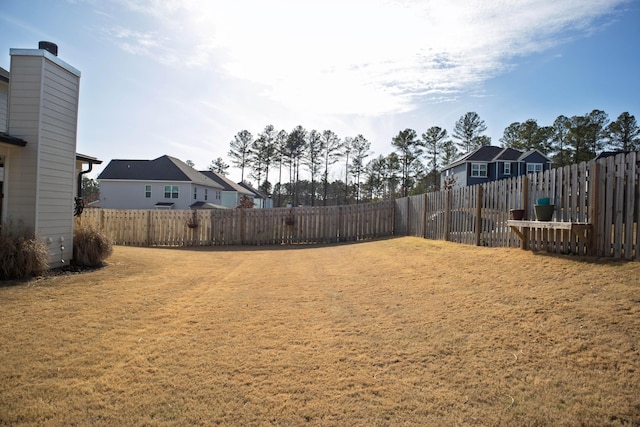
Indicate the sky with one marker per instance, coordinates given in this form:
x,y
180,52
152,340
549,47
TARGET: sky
x,y
182,77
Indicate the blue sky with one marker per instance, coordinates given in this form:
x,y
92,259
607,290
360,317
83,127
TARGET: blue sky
x,y
183,77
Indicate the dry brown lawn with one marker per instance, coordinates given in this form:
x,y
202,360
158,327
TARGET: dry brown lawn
x,y
394,332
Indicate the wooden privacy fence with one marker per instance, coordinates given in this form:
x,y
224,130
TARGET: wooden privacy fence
x,y
603,194
301,225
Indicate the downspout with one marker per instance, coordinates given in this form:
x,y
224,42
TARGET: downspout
x,y
79,202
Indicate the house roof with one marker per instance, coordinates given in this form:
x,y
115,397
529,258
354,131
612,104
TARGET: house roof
x,y
164,168
206,205
4,75
258,194
490,153
226,183
88,159
12,140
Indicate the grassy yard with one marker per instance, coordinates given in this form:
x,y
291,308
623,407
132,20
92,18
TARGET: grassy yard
x,y
395,332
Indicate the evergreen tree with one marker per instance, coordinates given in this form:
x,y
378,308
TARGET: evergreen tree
x,y
434,139
468,130
624,133
241,150
409,150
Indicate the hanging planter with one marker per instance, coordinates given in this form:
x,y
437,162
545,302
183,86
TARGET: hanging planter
x,y
288,220
193,222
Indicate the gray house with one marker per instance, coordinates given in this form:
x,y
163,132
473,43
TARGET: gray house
x,y
232,193
489,163
39,166
162,183
260,200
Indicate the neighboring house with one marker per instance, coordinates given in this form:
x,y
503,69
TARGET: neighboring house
x,y
39,166
260,200
232,193
489,163
162,183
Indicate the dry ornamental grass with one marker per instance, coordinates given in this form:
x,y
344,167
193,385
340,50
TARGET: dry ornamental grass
x,y
393,332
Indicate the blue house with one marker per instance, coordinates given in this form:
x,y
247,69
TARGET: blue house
x,y
489,163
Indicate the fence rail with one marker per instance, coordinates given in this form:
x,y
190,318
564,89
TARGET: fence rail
x,y
603,193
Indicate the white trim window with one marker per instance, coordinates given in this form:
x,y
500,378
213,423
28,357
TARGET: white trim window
x,y
171,191
507,168
195,193
534,167
479,170
147,191
206,194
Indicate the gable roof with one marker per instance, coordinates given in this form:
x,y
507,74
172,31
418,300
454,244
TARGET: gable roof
x,y
164,168
490,153
4,75
258,194
226,183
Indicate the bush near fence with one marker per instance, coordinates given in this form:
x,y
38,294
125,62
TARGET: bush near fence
x,y
604,193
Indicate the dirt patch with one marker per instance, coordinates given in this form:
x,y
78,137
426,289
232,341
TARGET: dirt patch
x,y
394,332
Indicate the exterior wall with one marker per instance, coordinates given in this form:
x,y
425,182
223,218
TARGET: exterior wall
x,y
4,105
43,110
131,194
230,199
460,175
500,166
536,157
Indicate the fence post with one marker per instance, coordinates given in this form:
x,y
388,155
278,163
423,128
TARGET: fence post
x,y
408,217
241,226
447,215
594,207
479,215
424,217
149,225
525,195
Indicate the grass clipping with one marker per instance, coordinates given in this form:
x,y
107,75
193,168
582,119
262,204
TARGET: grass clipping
x,y
394,332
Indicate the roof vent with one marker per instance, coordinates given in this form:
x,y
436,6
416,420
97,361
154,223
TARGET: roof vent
x,y
49,47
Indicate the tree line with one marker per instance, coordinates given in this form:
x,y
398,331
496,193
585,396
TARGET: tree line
x,y
413,166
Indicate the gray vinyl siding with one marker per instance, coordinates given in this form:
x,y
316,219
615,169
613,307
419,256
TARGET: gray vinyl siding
x,y
119,194
4,105
43,111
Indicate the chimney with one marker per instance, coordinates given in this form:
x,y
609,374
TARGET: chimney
x,y
49,47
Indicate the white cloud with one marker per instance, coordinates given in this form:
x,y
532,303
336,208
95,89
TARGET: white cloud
x,y
367,57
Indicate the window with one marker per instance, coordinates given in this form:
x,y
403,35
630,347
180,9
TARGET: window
x,y
205,194
507,168
534,167
147,191
195,193
479,169
171,191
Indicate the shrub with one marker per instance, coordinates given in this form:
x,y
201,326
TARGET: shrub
x,y
21,254
90,247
